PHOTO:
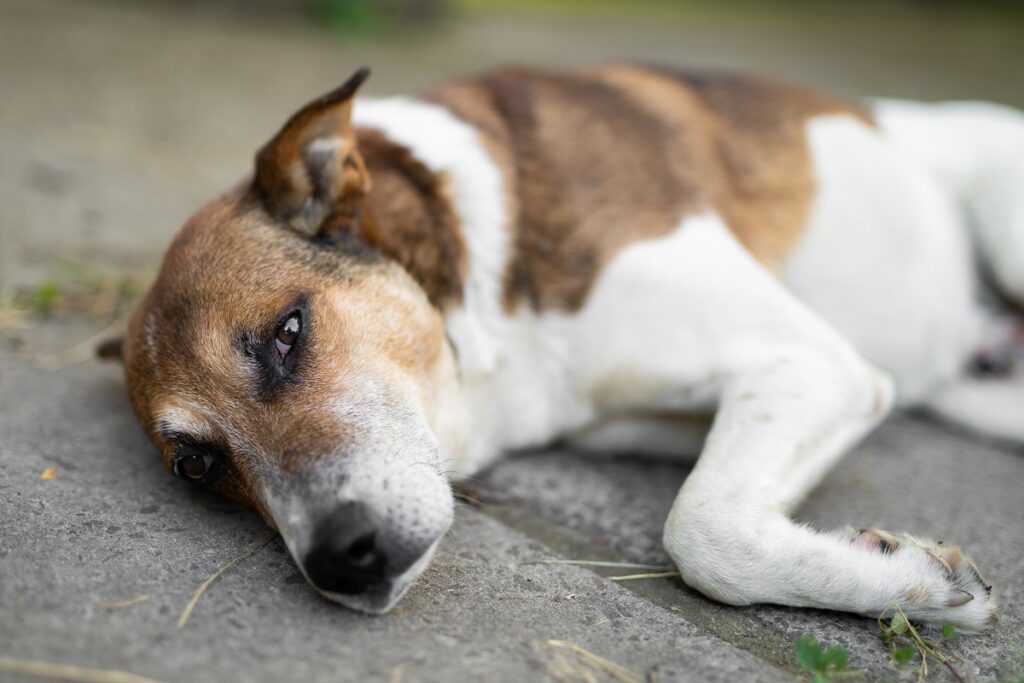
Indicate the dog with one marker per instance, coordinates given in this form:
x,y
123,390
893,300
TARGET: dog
x,y
405,289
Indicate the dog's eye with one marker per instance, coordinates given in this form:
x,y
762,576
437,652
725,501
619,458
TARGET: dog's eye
x,y
288,334
193,466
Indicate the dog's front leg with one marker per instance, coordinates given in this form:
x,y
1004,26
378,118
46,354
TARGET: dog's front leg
x,y
781,425
793,396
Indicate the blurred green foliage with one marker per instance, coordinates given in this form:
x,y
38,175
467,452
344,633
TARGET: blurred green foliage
x,y
369,17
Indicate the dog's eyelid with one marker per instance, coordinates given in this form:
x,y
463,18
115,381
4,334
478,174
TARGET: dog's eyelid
x,y
185,443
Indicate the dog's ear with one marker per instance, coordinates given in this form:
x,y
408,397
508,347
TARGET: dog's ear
x,y
311,174
111,349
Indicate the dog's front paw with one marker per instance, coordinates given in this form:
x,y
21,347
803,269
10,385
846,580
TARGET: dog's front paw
x,y
940,583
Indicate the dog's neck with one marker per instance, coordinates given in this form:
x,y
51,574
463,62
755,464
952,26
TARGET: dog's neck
x,y
440,192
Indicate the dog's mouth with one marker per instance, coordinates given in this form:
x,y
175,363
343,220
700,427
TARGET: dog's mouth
x,y
381,597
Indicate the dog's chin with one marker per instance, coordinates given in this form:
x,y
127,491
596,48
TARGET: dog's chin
x,y
376,600
380,599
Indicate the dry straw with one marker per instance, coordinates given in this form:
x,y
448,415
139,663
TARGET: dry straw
x,y
69,672
206,584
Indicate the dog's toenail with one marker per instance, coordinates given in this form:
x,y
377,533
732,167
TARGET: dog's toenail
x,y
959,598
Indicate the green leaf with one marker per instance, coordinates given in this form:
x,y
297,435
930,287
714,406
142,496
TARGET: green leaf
x,y
949,632
899,624
837,657
820,678
808,653
902,655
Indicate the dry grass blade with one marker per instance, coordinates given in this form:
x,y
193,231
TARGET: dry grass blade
x,y
926,647
124,604
69,672
12,319
599,563
80,352
653,575
596,661
206,584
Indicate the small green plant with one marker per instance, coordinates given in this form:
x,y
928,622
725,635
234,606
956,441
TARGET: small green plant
x,y
823,664
45,296
906,644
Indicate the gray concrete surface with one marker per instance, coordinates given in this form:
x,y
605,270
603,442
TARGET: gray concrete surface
x,y
119,119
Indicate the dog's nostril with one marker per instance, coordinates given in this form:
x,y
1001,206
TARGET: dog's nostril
x,y
363,552
346,555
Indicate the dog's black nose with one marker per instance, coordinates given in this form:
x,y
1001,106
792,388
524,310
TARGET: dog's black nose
x,y
346,556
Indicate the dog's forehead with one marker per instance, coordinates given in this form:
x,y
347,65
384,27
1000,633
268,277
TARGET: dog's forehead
x,y
232,244
231,270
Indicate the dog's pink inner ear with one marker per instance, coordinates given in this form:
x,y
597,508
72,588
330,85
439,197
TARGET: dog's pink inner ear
x,y
311,175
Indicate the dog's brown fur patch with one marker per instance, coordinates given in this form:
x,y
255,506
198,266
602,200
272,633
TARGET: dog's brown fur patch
x,y
409,217
597,160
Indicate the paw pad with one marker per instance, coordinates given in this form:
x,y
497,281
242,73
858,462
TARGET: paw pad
x,y
876,539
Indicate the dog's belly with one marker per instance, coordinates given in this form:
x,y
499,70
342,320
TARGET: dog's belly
x,y
886,258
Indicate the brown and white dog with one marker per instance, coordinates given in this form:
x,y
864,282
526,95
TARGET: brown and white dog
x,y
407,288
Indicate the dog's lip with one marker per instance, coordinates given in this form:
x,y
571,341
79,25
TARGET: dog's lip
x,y
379,598
376,600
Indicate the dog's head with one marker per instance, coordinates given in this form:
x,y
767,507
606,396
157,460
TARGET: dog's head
x,y
282,361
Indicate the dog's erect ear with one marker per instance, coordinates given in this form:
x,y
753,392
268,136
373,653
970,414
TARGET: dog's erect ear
x,y
310,174
111,349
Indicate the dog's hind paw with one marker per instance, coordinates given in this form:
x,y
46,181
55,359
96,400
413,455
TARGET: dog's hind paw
x,y
944,585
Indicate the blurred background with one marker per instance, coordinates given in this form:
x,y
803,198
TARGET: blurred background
x,y
120,118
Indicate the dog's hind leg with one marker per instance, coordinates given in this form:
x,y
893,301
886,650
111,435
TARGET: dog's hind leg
x,y
793,396
975,150
988,399
989,407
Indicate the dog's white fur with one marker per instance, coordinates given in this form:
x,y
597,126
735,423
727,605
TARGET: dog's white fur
x,y
798,369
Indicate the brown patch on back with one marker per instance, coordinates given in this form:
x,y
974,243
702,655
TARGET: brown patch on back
x,y
587,172
597,160
409,217
763,177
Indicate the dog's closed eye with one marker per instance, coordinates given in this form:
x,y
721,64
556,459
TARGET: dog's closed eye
x,y
288,333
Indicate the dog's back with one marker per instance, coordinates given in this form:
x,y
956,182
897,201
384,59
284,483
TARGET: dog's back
x,y
597,159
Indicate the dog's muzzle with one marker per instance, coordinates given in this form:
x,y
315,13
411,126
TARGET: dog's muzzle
x,y
362,529
354,558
